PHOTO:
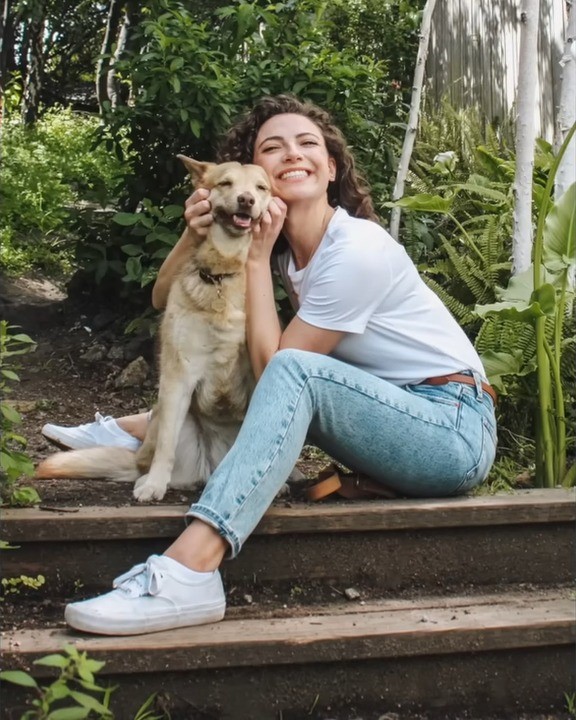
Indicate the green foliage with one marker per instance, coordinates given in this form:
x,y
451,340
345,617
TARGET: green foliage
x,y
13,460
45,171
15,585
74,694
154,239
543,297
384,29
519,326
570,704
189,79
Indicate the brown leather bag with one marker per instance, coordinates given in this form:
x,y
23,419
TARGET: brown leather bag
x,y
332,481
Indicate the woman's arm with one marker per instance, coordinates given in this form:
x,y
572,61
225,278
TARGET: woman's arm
x,y
263,331
198,220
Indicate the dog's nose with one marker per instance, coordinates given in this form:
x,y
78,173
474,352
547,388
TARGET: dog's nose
x,y
245,199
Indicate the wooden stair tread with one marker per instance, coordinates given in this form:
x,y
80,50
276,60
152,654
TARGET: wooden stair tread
x,y
387,629
157,521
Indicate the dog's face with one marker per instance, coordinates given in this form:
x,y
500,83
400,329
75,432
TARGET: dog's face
x,y
239,194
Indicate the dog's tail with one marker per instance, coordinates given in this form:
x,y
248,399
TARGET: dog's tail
x,y
111,463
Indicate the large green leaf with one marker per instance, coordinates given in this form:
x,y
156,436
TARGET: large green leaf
x,y
514,299
519,287
519,302
498,364
559,252
424,202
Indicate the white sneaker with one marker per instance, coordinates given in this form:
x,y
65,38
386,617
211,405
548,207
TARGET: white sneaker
x,y
160,594
103,431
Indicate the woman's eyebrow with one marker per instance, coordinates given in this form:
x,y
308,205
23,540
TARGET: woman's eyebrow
x,y
280,138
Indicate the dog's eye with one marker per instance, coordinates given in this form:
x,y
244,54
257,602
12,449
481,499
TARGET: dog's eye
x,y
264,188
225,183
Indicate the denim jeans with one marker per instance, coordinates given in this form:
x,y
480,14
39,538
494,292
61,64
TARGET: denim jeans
x,y
421,440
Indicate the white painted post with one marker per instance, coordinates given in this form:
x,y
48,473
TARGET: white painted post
x,y
525,135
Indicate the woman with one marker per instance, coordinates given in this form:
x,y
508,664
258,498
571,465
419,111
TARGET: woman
x,y
361,370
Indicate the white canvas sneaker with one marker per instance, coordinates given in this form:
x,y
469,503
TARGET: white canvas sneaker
x,y
160,594
103,431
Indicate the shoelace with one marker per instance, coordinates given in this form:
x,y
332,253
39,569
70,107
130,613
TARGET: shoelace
x,y
100,419
143,579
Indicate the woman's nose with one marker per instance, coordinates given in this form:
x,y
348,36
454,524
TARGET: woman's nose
x,y
292,152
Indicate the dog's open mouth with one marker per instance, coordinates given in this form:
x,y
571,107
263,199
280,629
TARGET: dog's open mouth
x,y
242,220
239,221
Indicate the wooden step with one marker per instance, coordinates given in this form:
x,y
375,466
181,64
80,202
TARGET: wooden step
x,y
394,545
499,651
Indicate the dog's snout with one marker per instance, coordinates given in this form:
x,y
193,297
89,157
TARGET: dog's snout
x,y
246,199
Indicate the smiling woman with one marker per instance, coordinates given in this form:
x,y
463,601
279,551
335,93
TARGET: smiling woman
x,y
373,369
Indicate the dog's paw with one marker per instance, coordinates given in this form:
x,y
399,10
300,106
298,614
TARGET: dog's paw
x,y
146,489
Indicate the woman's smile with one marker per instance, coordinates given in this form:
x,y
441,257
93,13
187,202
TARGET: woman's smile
x,y
292,150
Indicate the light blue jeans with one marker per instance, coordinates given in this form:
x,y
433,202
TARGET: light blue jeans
x,y
421,440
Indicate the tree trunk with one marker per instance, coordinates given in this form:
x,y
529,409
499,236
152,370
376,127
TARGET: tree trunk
x,y
525,135
413,117
104,62
6,39
117,97
33,79
567,108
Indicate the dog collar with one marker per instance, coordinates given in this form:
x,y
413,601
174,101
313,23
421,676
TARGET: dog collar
x,y
208,277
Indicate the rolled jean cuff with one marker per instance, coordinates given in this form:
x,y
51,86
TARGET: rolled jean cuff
x,y
207,515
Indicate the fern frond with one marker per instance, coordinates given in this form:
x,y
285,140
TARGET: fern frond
x,y
459,310
506,336
463,266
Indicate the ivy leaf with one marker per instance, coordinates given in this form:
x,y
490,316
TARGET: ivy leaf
x,y
77,713
126,219
132,250
18,677
55,660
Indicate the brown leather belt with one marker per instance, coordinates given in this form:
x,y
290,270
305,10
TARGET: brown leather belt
x,y
465,379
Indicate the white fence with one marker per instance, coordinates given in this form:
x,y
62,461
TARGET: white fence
x,y
473,57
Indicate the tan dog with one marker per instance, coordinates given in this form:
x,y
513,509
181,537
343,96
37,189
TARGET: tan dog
x,y
205,374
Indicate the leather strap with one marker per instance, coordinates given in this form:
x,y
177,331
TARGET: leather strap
x,y
460,378
212,278
351,487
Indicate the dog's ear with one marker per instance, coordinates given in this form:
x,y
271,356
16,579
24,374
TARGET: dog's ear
x,y
196,169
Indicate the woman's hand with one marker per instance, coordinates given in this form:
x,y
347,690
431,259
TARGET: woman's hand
x,y
266,231
198,213
198,219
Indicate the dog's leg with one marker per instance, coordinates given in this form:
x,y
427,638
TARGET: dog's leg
x,y
145,454
192,464
173,403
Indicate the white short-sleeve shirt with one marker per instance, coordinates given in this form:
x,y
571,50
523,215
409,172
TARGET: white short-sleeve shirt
x,y
362,282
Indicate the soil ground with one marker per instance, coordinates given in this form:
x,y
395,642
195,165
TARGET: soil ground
x,y
59,384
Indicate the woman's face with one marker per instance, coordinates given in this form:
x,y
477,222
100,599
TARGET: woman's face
x,y
292,150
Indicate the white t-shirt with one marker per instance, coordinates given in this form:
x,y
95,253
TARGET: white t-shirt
x,y
361,281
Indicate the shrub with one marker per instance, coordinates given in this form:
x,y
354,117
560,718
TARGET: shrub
x,y
47,172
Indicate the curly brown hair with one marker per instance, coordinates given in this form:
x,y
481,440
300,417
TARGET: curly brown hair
x,y
349,190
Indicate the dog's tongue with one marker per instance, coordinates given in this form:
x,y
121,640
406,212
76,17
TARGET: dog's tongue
x,y
242,221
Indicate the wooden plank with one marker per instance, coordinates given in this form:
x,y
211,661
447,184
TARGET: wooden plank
x,y
427,628
392,561
22,525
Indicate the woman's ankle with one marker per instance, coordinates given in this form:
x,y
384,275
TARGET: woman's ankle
x,y
135,425
198,548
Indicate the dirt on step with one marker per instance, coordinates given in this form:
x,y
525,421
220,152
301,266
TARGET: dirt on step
x,y
60,384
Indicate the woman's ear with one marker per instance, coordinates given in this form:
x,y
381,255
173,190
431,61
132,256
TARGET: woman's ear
x,y
331,169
